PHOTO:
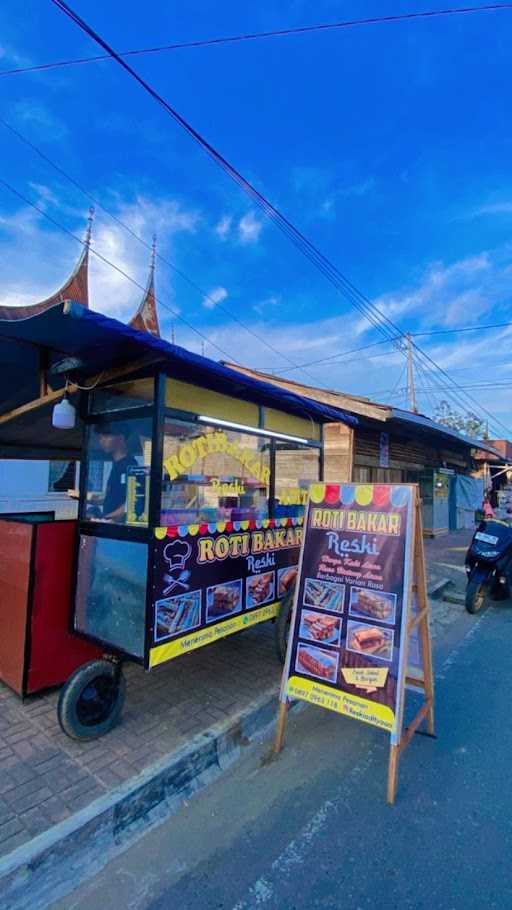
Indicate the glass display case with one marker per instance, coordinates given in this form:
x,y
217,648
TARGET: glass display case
x,y
190,521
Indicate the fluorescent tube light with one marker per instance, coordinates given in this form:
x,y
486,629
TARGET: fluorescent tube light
x,y
259,430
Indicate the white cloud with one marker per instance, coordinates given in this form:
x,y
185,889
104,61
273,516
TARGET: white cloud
x,y
496,208
223,227
215,296
249,228
466,289
9,55
45,196
358,189
268,303
41,118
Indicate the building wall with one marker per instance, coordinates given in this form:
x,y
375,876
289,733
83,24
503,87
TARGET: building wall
x,y
338,452
503,446
405,453
24,487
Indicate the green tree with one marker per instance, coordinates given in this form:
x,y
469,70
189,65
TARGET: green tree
x,y
469,423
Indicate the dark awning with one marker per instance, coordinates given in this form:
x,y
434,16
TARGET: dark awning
x,y
69,330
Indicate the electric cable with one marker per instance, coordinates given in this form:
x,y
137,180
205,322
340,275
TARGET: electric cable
x,y
397,388
331,357
466,328
216,304
423,383
293,233
112,265
258,36
372,313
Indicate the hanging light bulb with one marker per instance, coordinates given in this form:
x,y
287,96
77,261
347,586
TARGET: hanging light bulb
x,y
64,414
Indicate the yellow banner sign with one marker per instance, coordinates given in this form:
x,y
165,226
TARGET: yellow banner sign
x,y
210,634
369,712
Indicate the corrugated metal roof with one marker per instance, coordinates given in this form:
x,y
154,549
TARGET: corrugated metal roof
x,y
420,420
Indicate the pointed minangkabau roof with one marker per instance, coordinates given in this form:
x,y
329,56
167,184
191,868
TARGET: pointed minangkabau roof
x,y
75,288
146,317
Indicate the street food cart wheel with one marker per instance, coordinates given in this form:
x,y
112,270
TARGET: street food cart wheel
x,y
91,701
282,626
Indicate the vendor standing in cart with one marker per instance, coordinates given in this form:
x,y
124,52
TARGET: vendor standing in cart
x,y
113,440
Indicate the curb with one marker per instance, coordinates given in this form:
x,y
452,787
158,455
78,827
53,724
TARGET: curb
x,y
438,589
52,864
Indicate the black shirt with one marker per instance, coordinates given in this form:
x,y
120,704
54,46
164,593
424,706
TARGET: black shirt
x,y
115,494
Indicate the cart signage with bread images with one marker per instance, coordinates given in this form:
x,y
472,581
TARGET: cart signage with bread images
x,y
212,580
359,630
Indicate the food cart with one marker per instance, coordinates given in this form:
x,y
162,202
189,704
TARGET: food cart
x,y
192,489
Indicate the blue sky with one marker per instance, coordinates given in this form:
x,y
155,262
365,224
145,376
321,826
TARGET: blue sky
x,y
389,146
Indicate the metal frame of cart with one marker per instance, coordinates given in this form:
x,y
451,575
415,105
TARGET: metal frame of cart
x,y
153,390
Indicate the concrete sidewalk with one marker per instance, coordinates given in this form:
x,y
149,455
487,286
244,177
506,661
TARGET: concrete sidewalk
x,y
46,778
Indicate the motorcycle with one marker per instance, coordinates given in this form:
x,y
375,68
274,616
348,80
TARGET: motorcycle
x,y
489,564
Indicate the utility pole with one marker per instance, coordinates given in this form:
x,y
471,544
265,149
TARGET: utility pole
x,y
173,334
411,391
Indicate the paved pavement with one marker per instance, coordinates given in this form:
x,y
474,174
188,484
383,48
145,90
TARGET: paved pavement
x,y
312,829
46,777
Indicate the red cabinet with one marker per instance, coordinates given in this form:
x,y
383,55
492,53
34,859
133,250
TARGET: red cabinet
x,y
37,650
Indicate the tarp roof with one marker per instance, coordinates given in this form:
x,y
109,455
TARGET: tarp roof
x,y
366,409
420,422
99,342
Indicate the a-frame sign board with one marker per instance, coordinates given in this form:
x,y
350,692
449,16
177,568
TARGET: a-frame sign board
x,y
359,633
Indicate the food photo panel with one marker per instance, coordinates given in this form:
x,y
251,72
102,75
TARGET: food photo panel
x,y
377,605
177,614
320,627
324,595
316,662
372,641
286,579
223,600
260,589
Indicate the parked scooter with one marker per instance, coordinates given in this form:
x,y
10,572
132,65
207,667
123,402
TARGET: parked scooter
x,y
489,564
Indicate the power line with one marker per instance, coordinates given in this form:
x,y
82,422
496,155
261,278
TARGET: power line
x,y
374,316
112,265
423,383
397,389
472,328
466,328
216,304
358,300
469,397
257,36
365,347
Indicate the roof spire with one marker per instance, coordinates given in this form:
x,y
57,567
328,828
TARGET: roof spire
x,y
153,257
146,317
88,233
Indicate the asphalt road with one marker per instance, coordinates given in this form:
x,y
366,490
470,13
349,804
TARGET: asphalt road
x,y
312,829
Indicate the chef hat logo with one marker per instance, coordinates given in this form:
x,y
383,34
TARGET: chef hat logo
x,y
176,554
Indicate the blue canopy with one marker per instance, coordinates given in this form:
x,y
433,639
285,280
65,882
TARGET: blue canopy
x,y
69,330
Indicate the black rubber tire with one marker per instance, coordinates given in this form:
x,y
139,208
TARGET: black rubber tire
x,y
282,626
91,701
476,596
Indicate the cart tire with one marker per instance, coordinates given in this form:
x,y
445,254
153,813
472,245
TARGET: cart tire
x,y
476,596
91,701
282,626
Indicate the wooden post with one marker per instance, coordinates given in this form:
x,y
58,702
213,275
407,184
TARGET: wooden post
x,y
421,622
424,627
394,754
280,728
